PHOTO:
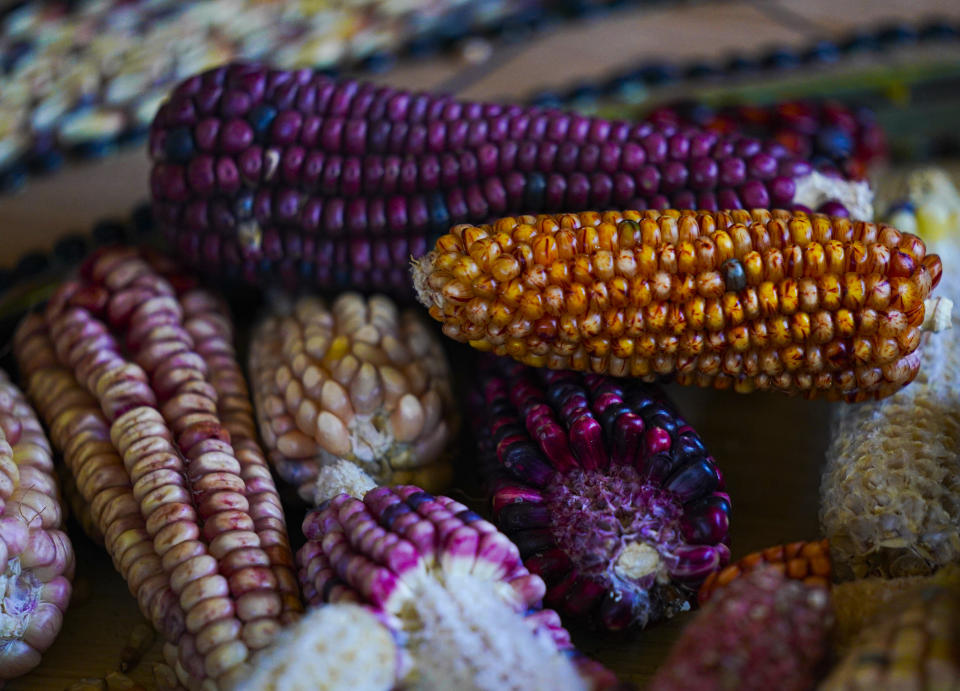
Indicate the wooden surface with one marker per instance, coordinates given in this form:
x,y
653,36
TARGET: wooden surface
x,y
770,448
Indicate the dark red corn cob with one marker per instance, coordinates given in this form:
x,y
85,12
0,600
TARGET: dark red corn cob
x,y
764,631
827,133
295,175
450,586
608,493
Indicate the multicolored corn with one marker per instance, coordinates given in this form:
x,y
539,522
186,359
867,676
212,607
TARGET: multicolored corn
x,y
608,493
761,300
889,497
133,369
914,643
268,173
358,381
36,557
808,562
451,587
763,631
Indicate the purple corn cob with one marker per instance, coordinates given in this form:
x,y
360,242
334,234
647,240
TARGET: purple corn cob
x,y
451,587
337,183
764,631
608,493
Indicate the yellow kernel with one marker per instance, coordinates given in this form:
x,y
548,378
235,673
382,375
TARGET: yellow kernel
x,y
566,244
835,257
732,309
753,268
857,258
865,232
751,303
619,289
597,347
828,288
660,285
599,296
634,322
477,310
646,257
793,261
738,338
465,269
626,263
710,284
878,291
640,292
582,270
603,264
576,299
500,314
695,312
568,329
676,320
613,323
511,293
713,313
484,252
854,291
800,326
628,234
789,296
862,351
773,268
545,250
808,295
801,231
607,234
821,327
759,335
485,287
844,323
686,258
655,316
505,268
668,259
531,305
649,233
724,244
559,274
446,262
449,243
691,343
506,224
706,254
869,322
822,229
622,347
683,287
779,329
814,260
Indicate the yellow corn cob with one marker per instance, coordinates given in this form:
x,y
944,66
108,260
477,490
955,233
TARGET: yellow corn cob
x,y
359,381
890,491
749,300
914,643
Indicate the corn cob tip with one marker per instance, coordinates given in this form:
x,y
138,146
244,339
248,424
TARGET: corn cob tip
x,y
448,584
815,189
938,314
338,646
341,477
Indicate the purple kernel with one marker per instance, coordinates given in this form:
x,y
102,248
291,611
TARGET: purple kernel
x,y
205,134
762,166
834,208
234,104
703,173
235,136
782,190
732,171
755,195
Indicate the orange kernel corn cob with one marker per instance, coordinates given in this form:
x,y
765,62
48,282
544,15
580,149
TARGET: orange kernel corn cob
x,y
803,561
749,300
359,381
36,556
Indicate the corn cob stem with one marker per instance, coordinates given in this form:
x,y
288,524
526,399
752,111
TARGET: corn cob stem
x,y
36,557
358,381
761,300
448,584
337,183
206,507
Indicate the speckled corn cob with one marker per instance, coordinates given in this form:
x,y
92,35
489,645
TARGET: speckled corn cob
x,y
890,493
36,557
357,381
168,463
269,173
764,631
808,562
914,643
761,300
451,587
608,493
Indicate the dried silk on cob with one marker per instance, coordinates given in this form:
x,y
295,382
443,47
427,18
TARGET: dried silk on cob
x,y
889,492
134,372
265,173
763,631
463,609
609,495
760,300
357,381
36,557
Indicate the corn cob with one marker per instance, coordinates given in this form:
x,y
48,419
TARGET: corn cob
x,y
914,643
162,447
342,646
889,495
856,603
827,133
448,584
764,631
808,562
271,173
358,381
36,557
761,300
608,493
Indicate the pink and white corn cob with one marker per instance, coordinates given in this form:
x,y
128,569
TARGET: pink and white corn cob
x,y
451,587
161,440
36,557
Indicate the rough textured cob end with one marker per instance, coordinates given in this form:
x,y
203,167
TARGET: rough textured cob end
x,y
450,586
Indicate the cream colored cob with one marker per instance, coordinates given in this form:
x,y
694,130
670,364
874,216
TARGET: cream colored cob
x,y
890,492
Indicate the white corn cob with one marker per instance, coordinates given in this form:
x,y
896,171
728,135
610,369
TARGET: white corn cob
x,y
890,492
